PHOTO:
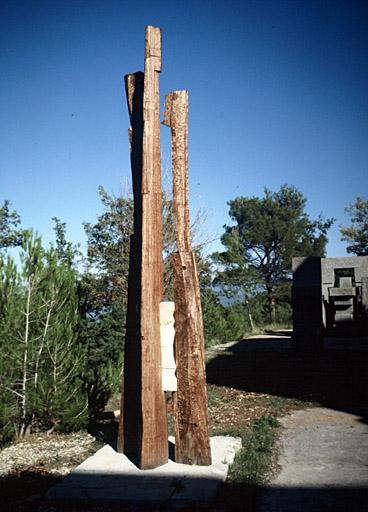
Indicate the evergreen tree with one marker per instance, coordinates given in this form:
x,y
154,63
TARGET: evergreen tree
x,y
67,251
356,235
10,233
11,299
40,354
103,297
59,387
267,234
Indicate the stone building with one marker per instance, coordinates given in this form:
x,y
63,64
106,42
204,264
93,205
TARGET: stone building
x,y
329,297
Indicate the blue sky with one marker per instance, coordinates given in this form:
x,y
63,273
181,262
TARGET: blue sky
x,y
277,92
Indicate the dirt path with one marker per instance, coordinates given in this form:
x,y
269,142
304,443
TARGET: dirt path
x,y
324,463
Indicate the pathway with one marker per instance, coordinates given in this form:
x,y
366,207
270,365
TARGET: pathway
x,y
324,463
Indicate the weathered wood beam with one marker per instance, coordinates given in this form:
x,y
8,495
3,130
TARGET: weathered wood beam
x,y
154,424
192,444
130,422
144,424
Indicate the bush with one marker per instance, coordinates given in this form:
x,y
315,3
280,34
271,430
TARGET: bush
x,y
223,323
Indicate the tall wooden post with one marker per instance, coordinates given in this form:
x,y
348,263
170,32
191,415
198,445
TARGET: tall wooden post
x,y
192,444
130,423
143,423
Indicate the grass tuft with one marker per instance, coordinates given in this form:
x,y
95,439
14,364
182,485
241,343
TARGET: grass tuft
x,y
253,463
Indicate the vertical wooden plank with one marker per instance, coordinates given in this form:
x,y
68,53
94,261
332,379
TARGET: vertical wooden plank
x,y
130,421
192,444
154,420
176,117
144,426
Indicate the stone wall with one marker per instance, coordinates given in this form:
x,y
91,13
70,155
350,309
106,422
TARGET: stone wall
x,y
328,294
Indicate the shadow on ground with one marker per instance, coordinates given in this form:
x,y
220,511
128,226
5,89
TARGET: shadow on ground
x,y
231,498
336,377
26,492
105,431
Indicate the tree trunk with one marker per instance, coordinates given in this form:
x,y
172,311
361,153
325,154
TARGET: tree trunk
x,y
251,322
271,303
23,424
272,308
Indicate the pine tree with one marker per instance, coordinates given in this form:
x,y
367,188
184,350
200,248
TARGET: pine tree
x,y
41,354
11,299
357,233
267,233
10,233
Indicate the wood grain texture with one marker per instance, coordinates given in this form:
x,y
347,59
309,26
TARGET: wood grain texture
x,y
130,421
176,117
154,420
143,429
192,444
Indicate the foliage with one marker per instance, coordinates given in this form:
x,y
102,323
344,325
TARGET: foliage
x,y
356,235
10,296
102,337
109,248
104,290
221,323
268,232
103,297
253,462
228,315
67,251
41,357
10,234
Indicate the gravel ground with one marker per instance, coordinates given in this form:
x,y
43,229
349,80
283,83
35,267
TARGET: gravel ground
x,y
56,453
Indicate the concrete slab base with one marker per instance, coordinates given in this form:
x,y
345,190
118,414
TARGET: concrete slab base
x,y
109,476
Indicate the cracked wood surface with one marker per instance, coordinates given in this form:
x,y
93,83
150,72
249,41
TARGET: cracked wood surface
x,y
144,427
192,444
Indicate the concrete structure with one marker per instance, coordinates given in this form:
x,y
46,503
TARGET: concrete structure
x,y
328,294
110,477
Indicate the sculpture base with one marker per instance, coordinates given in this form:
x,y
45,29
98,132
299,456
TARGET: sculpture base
x,y
109,476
